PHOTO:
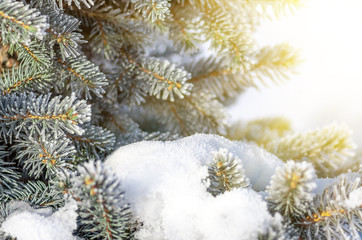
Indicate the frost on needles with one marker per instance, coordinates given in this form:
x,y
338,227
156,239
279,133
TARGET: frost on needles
x,y
82,78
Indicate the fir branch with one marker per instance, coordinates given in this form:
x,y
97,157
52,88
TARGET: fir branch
x,y
216,76
9,177
36,193
19,21
200,112
43,156
26,80
85,77
330,217
105,40
229,38
274,62
87,3
183,30
39,194
260,131
95,141
111,29
227,80
63,31
32,114
164,79
102,208
225,173
153,10
327,149
290,189
100,12
33,55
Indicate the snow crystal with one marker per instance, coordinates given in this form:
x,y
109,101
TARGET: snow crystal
x,y
163,181
26,223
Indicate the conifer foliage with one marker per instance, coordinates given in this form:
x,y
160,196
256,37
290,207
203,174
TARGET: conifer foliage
x,y
103,213
291,188
226,173
80,78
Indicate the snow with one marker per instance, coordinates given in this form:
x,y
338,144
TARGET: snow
x,y
239,214
26,223
163,183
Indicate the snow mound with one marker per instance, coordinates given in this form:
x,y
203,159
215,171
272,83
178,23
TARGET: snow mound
x,y
26,223
163,183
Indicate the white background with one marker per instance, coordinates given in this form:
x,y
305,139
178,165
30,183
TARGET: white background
x,y
328,87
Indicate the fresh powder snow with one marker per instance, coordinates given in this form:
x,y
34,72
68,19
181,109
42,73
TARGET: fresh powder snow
x,y
163,181
26,223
